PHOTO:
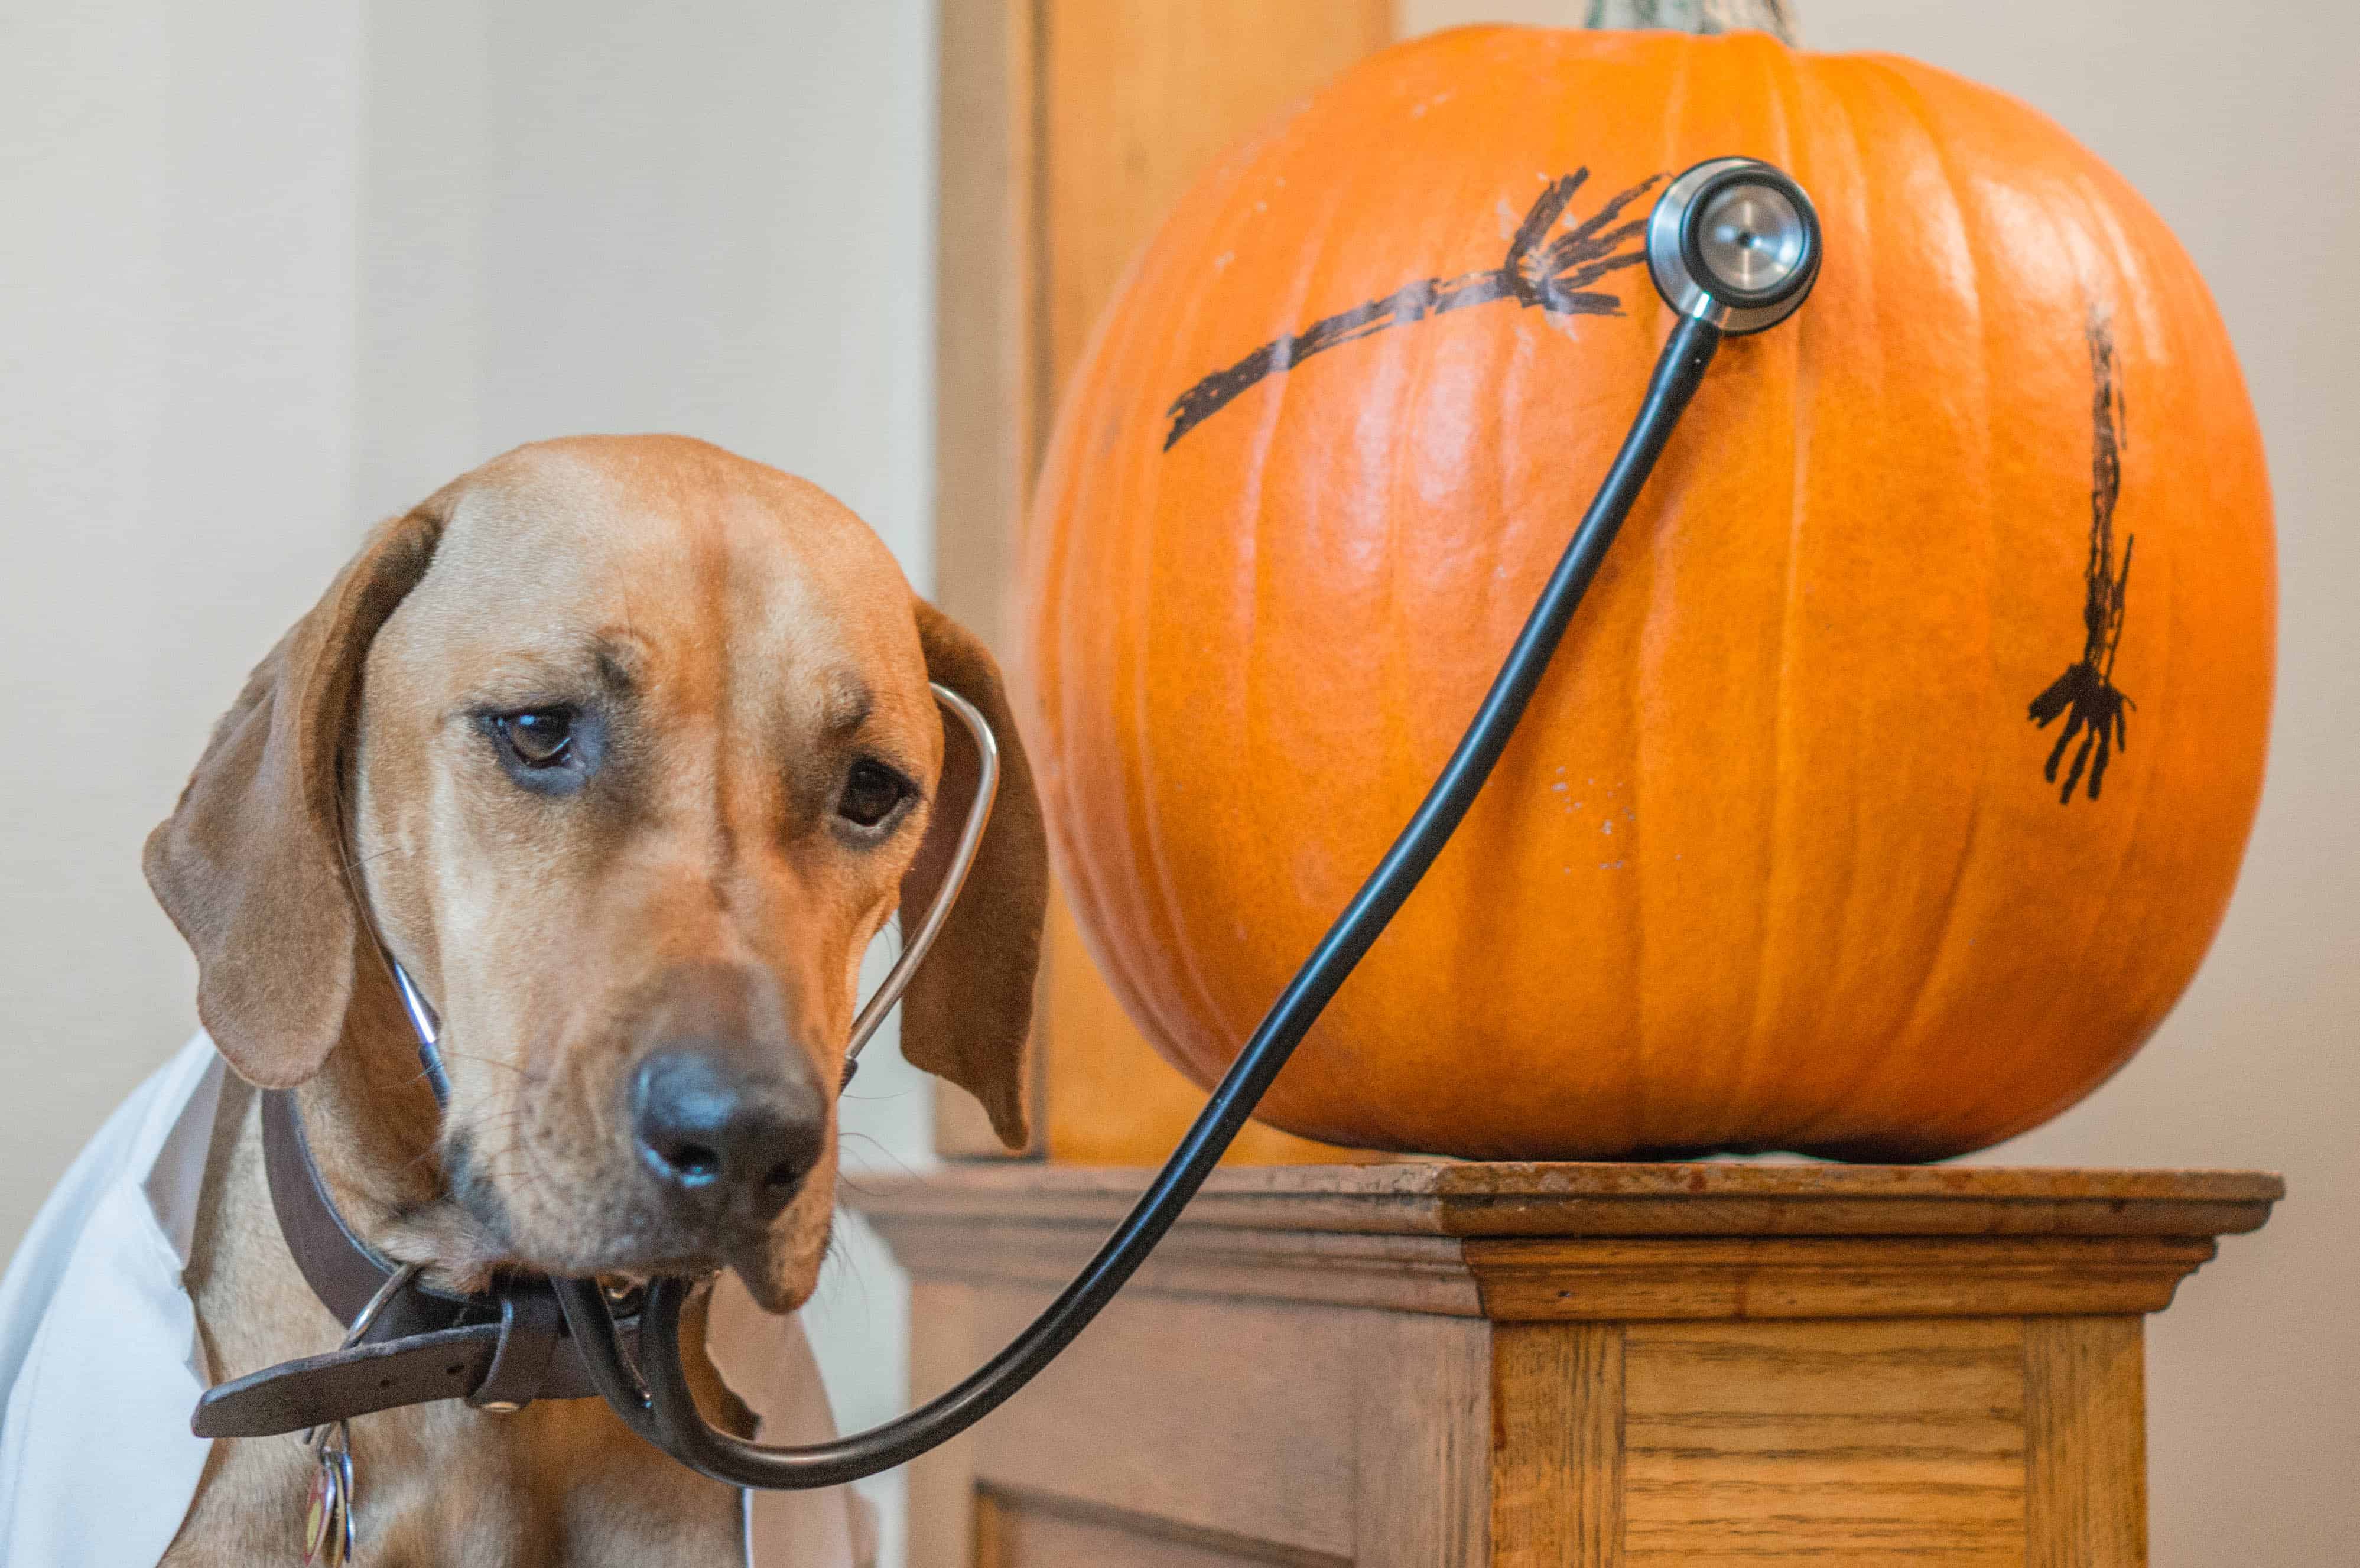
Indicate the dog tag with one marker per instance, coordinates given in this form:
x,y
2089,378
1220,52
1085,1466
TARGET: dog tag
x,y
328,1517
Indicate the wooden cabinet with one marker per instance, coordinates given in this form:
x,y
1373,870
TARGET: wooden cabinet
x,y
1412,1366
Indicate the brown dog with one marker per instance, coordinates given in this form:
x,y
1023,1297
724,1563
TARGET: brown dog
x,y
624,747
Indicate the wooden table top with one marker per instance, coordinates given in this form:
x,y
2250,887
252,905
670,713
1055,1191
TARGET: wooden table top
x,y
1533,1199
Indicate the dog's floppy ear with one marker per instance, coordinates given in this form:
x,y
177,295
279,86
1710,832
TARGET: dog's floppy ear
x,y
250,864
969,1010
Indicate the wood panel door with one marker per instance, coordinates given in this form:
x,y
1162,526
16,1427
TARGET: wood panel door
x,y
1067,127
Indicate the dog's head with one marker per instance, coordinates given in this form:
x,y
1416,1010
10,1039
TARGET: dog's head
x,y
626,748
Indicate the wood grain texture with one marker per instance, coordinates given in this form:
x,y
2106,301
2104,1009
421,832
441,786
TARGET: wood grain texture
x,y
1021,1531
1421,1463
1527,1199
1556,1445
1228,1417
986,240
1333,1394
1604,1242
1595,1280
1137,97
1420,1274
1852,1442
1141,95
1067,128
1829,1277
1106,1096
942,1523
2085,1425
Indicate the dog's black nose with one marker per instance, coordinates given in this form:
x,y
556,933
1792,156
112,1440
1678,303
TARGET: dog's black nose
x,y
725,1134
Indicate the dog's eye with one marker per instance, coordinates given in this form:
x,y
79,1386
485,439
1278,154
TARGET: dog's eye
x,y
541,738
551,750
871,793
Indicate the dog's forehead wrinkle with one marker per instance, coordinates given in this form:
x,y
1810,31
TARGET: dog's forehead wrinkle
x,y
846,701
622,656
679,554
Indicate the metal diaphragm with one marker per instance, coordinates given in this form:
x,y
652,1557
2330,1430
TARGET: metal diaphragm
x,y
1735,242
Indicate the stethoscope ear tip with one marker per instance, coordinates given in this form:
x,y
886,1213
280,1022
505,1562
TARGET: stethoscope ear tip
x,y
1735,242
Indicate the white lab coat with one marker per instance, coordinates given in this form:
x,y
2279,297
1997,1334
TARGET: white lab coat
x,y
99,1363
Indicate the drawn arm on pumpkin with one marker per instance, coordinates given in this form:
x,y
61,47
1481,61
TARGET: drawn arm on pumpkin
x,y
1555,277
2095,708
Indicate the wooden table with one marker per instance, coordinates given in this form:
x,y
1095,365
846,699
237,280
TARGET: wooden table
x,y
1418,1365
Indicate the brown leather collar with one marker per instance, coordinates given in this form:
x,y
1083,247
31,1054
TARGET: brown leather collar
x,y
498,1351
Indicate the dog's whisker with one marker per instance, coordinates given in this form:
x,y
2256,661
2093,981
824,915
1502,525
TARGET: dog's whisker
x,y
452,1055
891,1164
841,1264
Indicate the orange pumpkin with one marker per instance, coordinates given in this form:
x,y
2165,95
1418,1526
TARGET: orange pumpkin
x,y
1892,780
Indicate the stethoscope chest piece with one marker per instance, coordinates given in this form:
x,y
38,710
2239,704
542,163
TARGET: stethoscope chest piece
x,y
1735,242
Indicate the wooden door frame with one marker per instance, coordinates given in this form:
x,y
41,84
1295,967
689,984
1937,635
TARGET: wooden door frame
x,y
1064,127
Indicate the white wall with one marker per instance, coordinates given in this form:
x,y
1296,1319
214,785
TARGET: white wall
x,y
2241,124
272,269
176,401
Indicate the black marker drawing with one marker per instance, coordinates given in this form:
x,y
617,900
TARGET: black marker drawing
x,y
2086,692
1554,277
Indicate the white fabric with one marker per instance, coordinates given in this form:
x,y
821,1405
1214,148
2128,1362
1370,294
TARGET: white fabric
x,y
768,1362
100,1364
98,1340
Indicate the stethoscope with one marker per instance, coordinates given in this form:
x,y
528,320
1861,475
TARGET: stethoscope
x,y
1734,245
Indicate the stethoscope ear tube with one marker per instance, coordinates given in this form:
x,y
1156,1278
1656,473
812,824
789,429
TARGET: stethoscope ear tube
x,y
663,1409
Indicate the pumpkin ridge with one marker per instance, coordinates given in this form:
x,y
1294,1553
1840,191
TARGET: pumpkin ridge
x,y
1806,78
1833,1101
1969,1120
1086,733
1150,846
1249,514
1914,1046
1129,661
2104,907
1747,1063
2103,915
1172,851
1648,1048
1790,77
1130,654
1724,1122
1124,655
1823,1123
1271,718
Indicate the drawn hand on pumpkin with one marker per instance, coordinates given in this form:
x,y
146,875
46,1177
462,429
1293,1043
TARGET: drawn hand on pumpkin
x,y
2095,710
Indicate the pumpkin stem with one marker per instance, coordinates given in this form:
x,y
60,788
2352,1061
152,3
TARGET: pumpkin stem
x,y
1775,17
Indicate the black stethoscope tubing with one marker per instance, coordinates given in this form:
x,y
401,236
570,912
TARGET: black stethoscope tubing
x,y
664,1409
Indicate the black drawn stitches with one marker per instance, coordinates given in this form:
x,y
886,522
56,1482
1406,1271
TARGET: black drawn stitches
x,y
1554,277
2093,707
